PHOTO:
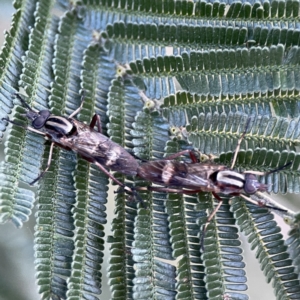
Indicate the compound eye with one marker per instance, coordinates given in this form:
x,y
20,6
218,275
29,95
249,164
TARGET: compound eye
x,y
40,121
251,184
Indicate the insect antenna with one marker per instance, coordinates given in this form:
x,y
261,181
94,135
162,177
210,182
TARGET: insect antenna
x,y
13,122
279,168
24,102
24,127
269,172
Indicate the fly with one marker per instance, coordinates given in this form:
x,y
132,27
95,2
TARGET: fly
x,y
72,135
191,178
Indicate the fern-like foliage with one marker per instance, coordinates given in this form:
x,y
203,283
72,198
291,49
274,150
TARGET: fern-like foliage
x,y
164,76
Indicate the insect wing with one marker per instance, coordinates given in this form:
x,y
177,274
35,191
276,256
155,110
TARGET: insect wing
x,y
96,147
199,177
178,174
154,171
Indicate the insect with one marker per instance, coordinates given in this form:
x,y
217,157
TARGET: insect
x,y
72,135
190,178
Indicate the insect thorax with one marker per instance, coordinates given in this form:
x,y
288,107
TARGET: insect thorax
x,y
232,182
60,125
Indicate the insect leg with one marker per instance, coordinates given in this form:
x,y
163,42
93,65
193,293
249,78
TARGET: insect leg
x,y
36,131
96,120
47,167
126,188
253,201
209,219
275,204
135,194
193,157
167,190
239,144
175,155
75,112
161,189
172,156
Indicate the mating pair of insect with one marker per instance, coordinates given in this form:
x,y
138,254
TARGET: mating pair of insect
x,y
172,176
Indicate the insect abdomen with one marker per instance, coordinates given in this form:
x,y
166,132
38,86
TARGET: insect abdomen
x,y
121,161
162,172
